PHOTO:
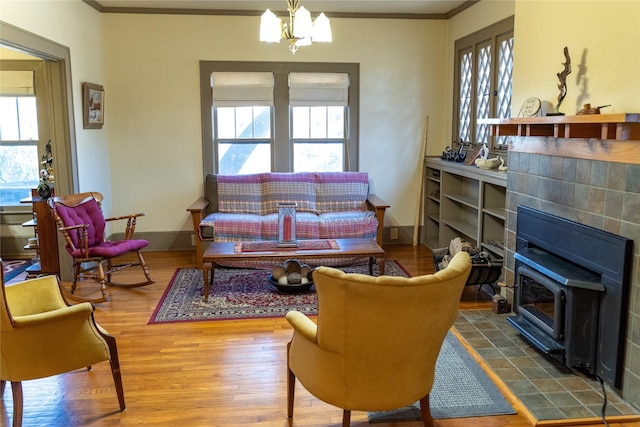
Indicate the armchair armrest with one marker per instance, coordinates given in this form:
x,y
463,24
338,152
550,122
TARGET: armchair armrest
x,y
81,231
78,313
116,218
303,325
197,210
199,205
379,206
131,223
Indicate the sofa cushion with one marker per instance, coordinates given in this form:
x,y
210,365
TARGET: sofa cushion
x,y
346,225
296,188
228,227
240,194
342,191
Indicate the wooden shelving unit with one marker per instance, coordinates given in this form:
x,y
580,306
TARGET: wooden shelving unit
x,y
47,234
464,201
620,127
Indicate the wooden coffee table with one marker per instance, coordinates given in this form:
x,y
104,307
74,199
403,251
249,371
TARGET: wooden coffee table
x,y
217,252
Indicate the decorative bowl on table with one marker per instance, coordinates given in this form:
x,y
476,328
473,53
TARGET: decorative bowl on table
x,y
291,277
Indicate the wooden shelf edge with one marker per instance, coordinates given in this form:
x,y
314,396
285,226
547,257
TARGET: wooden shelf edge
x,y
587,118
621,126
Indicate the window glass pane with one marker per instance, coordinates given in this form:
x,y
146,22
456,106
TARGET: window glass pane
x,y
300,125
483,92
244,122
318,122
9,129
226,122
17,181
28,114
244,157
505,68
464,124
262,122
335,122
318,157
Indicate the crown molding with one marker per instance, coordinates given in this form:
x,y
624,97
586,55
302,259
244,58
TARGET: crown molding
x,y
235,12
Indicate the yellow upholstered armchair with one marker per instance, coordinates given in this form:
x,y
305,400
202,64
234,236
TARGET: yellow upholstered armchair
x,y
42,336
377,339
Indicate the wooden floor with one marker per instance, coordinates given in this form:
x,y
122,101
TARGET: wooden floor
x,y
190,374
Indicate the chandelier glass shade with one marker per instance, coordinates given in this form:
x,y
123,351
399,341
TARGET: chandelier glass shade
x,y
299,30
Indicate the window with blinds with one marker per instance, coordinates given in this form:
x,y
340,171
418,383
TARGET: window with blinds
x,y
318,106
18,136
242,104
281,117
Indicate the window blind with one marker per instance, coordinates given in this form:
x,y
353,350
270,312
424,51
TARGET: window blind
x,y
319,89
238,89
16,83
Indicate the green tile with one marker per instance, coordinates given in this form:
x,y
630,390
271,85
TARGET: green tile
x,y
562,399
546,385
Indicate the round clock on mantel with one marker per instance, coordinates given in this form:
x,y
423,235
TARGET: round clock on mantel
x,y
531,107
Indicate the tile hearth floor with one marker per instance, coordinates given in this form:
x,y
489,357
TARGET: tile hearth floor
x,y
549,392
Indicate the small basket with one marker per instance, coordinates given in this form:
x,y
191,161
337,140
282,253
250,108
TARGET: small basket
x,y
481,274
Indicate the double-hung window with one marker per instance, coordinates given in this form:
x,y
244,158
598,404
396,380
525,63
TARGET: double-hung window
x,y
18,136
483,76
319,104
242,117
280,117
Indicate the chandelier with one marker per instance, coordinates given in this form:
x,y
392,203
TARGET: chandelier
x,y
300,31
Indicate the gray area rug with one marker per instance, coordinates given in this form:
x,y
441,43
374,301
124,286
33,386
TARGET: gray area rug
x,y
461,389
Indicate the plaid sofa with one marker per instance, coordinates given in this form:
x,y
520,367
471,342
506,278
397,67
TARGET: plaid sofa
x,y
330,205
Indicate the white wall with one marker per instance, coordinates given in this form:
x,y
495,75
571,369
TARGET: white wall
x,y
75,25
603,38
153,107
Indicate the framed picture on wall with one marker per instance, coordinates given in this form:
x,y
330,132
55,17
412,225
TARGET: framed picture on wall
x,y
92,106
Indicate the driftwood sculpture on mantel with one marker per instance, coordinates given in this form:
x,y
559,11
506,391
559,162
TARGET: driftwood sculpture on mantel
x,y
562,76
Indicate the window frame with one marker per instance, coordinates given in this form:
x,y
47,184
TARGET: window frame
x,y
37,66
492,36
282,145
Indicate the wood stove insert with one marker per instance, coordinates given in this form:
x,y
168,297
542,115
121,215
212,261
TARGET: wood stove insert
x,y
571,292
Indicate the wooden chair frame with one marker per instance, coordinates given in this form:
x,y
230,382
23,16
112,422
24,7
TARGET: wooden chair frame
x,y
97,268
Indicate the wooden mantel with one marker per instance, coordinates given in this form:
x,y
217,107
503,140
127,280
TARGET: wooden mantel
x,y
607,137
620,126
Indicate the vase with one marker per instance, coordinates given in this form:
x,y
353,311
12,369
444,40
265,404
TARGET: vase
x,y
44,191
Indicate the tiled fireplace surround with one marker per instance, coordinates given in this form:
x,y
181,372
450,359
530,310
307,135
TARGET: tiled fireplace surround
x,y
591,191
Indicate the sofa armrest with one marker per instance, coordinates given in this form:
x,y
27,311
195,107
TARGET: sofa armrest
x,y
198,209
377,205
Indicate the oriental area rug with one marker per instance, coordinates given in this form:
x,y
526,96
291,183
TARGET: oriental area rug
x,y
239,293
13,267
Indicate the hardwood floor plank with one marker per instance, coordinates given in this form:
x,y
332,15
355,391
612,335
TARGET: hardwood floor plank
x,y
217,373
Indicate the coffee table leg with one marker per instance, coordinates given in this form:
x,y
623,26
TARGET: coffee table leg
x,y
381,265
206,267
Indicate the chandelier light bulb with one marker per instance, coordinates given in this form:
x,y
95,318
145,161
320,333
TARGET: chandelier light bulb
x,y
322,29
299,30
302,26
270,27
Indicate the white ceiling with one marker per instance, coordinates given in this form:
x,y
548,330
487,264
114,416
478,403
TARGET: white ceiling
x,y
420,7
